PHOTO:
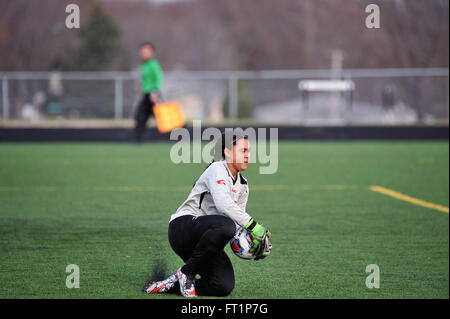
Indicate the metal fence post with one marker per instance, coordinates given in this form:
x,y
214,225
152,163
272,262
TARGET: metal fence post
x,y
447,98
233,97
5,99
118,98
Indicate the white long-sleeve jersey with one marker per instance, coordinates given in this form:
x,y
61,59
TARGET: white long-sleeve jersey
x,y
217,193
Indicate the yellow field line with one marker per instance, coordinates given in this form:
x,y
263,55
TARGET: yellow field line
x,y
268,187
374,188
406,198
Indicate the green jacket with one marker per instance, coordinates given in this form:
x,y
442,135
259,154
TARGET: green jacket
x,y
151,76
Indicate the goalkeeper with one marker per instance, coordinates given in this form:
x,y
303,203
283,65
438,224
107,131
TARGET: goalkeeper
x,y
151,81
207,220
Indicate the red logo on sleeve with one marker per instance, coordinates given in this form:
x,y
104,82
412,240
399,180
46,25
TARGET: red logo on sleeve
x,y
221,181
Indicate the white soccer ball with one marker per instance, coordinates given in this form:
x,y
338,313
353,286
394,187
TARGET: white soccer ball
x,y
241,243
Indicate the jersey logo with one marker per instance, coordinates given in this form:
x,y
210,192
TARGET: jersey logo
x,y
221,181
234,191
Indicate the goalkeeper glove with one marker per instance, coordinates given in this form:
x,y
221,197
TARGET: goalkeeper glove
x,y
257,232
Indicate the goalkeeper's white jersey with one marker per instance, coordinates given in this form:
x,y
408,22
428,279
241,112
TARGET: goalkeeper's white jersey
x,y
216,193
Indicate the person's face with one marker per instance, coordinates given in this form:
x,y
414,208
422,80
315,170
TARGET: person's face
x,y
146,52
240,155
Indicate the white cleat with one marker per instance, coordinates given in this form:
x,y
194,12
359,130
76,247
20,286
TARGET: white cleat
x,y
187,284
163,285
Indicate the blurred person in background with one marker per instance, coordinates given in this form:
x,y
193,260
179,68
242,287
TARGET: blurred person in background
x,y
55,91
151,81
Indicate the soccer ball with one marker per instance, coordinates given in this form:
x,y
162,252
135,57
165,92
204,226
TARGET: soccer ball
x,y
241,243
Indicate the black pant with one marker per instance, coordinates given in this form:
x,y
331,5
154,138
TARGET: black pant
x,y
199,241
143,113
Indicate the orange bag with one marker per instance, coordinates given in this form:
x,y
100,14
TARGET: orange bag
x,y
168,116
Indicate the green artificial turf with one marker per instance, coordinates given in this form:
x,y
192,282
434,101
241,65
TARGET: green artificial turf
x,y
105,208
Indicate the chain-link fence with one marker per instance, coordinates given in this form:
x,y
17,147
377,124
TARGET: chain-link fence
x,y
380,96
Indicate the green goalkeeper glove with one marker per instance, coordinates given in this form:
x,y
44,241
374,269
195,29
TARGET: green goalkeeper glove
x,y
257,232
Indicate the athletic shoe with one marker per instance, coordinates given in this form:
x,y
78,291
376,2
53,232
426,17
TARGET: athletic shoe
x,y
163,285
187,284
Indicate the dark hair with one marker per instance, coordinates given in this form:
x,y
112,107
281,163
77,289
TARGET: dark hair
x,y
222,143
144,44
